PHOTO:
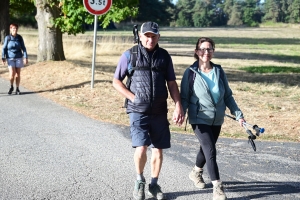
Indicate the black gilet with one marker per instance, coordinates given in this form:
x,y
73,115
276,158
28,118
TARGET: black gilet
x,y
148,82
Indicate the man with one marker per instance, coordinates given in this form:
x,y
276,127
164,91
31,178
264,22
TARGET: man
x,y
146,96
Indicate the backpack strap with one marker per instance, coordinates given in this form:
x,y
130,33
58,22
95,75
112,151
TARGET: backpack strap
x,y
131,64
17,37
131,67
133,57
8,38
191,78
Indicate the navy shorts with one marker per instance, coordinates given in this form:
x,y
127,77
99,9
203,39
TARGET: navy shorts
x,y
150,130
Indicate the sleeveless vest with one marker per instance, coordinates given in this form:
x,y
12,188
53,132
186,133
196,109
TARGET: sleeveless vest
x,y
148,82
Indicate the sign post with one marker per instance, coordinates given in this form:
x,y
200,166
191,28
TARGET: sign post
x,y
96,7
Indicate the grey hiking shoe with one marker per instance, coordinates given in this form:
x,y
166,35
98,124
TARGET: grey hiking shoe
x,y
197,178
155,191
139,190
218,193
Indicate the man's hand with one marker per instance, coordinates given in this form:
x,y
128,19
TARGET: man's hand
x,y
178,115
120,87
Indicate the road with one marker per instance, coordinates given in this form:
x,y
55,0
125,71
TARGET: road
x,y
50,152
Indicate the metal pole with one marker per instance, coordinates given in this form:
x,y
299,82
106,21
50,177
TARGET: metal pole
x,y
94,50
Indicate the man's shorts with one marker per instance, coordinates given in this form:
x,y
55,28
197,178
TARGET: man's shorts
x,y
15,62
150,130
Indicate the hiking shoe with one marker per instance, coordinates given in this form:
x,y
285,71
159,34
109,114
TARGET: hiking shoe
x,y
18,91
155,191
139,190
11,89
218,192
197,178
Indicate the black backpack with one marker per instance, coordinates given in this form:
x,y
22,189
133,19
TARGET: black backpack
x,y
192,76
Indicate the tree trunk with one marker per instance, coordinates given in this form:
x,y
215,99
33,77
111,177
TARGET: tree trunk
x,y
50,45
4,19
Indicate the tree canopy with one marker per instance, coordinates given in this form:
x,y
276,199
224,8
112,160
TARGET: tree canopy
x,y
186,13
55,17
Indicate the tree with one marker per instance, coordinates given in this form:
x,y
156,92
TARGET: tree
x,y
155,10
184,10
23,16
4,19
227,8
272,10
285,16
249,12
202,15
295,12
56,17
235,18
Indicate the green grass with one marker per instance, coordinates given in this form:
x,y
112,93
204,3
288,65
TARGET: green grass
x,y
270,69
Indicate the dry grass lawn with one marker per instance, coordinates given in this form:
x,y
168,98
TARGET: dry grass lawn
x,y
268,100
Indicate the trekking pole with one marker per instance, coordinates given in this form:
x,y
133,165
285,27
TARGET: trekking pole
x,y
135,31
251,137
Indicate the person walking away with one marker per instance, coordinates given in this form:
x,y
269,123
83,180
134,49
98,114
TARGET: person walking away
x,y
150,76
205,93
15,55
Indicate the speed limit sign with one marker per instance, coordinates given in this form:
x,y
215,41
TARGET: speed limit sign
x,y
97,7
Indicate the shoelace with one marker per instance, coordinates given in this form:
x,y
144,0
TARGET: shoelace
x,y
219,190
199,175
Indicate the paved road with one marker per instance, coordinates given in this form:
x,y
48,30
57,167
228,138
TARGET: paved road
x,y
50,152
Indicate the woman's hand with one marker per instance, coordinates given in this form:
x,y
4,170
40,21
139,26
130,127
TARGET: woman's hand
x,y
3,61
25,60
241,121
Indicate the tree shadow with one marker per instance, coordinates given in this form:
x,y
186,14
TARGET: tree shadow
x,y
60,88
257,189
99,66
248,56
233,40
288,79
3,71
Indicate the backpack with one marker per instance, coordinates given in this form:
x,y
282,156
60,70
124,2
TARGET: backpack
x,y
17,37
192,76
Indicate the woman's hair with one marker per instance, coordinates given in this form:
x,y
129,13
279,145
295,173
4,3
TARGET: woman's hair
x,y
13,25
200,41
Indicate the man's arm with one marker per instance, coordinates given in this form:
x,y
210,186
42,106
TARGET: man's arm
x,y
178,115
120,87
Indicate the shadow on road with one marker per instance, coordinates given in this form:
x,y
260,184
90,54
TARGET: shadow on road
x,y
262,190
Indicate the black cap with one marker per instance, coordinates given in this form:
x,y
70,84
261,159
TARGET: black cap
x,y
149,27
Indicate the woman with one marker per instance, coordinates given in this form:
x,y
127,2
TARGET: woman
x,y
206,94
12,54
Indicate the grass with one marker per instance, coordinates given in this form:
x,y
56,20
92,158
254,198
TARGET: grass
x,y
270,69
261,65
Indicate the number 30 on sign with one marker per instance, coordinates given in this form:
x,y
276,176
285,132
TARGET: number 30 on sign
x,y
97,7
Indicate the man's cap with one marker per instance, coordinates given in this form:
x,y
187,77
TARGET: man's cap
x,y
149,27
